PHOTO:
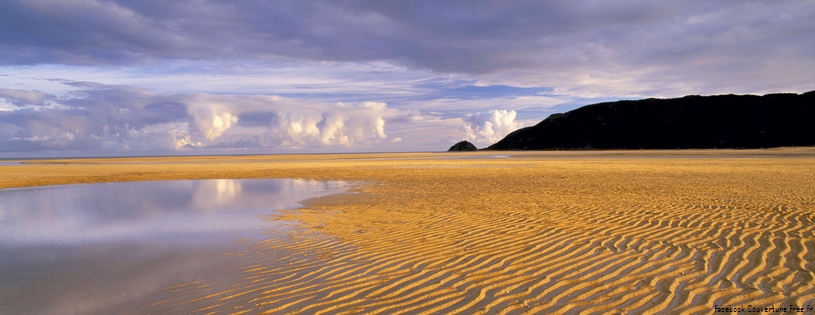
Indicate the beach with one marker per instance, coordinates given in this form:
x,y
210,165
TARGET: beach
x,y
496,232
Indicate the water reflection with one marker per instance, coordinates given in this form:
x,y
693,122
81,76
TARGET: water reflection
x,y
178,210
111,248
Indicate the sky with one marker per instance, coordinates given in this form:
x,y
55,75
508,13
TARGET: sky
x,y
188,77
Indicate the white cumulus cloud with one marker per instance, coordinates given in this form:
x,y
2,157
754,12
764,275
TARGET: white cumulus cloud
x,y
490,127
210,119
338,124
100,118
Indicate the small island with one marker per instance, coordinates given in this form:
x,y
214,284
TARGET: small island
x,y
463,146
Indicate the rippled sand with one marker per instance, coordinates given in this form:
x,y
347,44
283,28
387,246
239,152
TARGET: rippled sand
x,y
535,232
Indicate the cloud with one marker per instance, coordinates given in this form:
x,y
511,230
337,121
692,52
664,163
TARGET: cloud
x,y
490,127
101,118
339,124
170,76
620,48
23,98
210,119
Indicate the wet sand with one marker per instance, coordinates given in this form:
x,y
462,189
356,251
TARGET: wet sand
x,y
535,232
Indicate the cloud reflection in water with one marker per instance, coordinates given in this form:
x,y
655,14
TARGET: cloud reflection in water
x,y
141,211
112,248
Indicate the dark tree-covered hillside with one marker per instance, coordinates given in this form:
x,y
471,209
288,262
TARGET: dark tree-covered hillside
x,y
690,122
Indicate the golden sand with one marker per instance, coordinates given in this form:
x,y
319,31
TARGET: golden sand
x,y
535,232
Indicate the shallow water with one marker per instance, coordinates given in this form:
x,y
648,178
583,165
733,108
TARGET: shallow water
x,y
97,248
457,157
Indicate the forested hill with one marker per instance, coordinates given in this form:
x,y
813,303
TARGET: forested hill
x,y
690,122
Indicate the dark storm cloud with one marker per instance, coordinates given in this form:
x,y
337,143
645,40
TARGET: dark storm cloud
x,y
445,36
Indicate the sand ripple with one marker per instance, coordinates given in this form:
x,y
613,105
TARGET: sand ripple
x,y
531,235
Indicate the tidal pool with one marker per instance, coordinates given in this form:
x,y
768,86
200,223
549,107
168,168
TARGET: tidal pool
x,y
112,247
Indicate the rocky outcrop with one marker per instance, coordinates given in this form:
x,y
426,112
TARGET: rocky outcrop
x,y
463,146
